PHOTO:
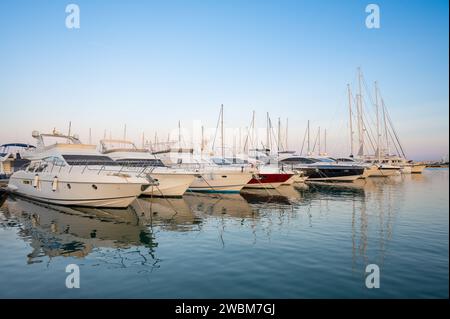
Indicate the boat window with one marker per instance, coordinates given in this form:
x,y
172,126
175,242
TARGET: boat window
x,y
54,161
324,160
220,161
136,162
41,167
235,160
298,160
344,160
89,160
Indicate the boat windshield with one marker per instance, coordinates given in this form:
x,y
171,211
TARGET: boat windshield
x,y
89,160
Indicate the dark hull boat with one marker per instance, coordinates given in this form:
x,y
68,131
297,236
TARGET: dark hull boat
x,y
323,169
333,174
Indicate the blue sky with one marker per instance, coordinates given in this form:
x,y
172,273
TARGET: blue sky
x,y
151,63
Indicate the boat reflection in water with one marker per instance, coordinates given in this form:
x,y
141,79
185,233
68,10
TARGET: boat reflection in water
x,y
53,230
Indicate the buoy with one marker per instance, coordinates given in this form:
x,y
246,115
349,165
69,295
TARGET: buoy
x,y
36,181
55,183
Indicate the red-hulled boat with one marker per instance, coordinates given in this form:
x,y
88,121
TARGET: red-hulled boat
x,y
268,180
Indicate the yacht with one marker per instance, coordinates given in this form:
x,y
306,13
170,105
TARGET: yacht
x,y
212,175
407,166
11,158
172,182
265,176
385,168
370,169
71,173
323,169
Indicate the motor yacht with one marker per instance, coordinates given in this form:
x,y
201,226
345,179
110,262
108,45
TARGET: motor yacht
x,y
71,173
323,169
212,175
172,182
11,158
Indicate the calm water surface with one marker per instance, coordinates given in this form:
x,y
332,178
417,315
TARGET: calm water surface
x,y
302,242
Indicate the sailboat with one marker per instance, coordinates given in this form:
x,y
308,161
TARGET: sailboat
x,y
213,175
377,165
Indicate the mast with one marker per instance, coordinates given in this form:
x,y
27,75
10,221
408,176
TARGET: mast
x,y
309,145
253,131
325,133
378,123
90,136
202,145
179,134
360,116
125,132
385,126
350,119
143,140
240,141
70,128
221,124
279,135
319,140
267,131
286,137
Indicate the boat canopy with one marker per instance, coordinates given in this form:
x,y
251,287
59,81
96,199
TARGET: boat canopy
x,y
18,145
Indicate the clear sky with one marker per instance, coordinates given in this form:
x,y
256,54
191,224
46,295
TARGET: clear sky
x,y
151,63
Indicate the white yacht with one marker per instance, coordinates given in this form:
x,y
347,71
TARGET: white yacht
x,y
71,173
11,158
385,168
172,182
210,177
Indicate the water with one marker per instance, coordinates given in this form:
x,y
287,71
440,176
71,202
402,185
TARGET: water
x,y
297,243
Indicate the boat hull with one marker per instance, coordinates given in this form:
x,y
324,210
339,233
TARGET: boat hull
x,y
169,185
268,180
80,190
418,168
330,174
406,169
385,172
220,182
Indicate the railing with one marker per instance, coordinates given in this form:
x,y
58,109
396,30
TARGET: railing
x,y
139,169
